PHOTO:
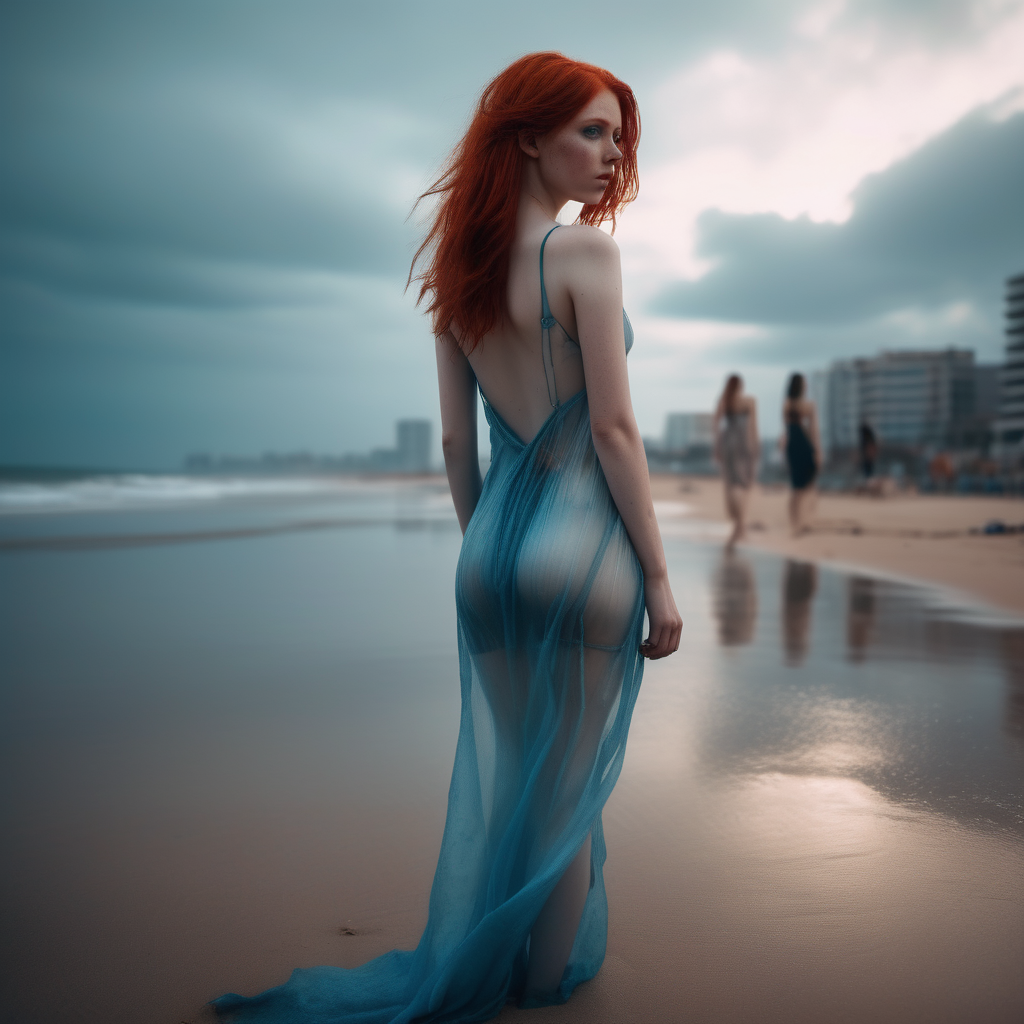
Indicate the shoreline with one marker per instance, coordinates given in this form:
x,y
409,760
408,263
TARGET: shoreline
x,y
922,538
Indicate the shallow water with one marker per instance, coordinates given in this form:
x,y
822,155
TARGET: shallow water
x,y
229,716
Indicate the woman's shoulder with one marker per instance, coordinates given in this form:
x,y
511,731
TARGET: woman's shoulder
x,y
584,243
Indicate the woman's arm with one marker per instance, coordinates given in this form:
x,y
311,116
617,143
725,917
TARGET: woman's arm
x,y
812,423
595,286
753,438
716,444
457,388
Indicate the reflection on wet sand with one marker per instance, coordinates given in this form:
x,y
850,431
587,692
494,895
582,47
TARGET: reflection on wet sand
x,y
800,581
860,615
874,716
849,838
734,599
830,901
1013,660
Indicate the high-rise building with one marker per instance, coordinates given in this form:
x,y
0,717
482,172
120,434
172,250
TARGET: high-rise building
x,y
687,430
986,390
1009,427
414,446
836,392
913,399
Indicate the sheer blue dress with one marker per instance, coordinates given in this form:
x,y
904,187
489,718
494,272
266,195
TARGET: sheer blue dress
x,y
550,605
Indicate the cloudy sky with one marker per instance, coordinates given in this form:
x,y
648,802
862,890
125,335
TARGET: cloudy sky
x,y
204,206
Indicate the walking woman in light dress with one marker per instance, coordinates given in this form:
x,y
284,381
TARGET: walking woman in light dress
x,y
736,449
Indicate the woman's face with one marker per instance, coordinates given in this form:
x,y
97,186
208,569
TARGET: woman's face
x,y
579,160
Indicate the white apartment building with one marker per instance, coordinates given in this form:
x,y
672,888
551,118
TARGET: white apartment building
x,y
1009,427
686,430
413,449
910,398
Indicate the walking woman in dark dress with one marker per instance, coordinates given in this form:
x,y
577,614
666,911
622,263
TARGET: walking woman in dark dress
x,y
802,447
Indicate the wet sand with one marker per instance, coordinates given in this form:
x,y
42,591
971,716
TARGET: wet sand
x,y
225,759
917,537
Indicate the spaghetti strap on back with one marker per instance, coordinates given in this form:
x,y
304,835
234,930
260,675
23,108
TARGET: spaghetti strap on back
x,y
549,594
547,321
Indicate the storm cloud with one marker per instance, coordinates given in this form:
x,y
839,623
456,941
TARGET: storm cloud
x,y
173,194
943,226
205,221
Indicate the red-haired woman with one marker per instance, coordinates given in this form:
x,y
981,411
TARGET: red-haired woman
x,y
561,555
736,446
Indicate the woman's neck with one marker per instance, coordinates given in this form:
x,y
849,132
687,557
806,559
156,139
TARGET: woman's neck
x,y
536,203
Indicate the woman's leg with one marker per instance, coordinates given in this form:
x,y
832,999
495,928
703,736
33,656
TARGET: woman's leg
x,y
801,506
589,702
741,495
582,693
732,512
555,929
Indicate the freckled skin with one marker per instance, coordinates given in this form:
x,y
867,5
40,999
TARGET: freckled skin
x,y
574,158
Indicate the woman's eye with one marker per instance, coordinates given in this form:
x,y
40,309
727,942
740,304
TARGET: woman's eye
x,y
593,132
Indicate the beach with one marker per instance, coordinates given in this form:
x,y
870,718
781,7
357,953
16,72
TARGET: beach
x,y
923,537
229,713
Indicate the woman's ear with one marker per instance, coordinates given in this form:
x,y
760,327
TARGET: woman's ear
x,y
528,142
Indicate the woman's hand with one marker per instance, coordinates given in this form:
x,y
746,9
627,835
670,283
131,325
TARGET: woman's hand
x,y
666,624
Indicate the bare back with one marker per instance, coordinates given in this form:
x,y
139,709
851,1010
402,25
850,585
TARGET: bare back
x,y
509,362
802,411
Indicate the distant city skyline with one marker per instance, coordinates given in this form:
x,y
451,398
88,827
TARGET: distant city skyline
x,y
413,453
930,399
205,209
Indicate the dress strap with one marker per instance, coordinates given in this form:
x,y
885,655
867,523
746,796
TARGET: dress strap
x,y
547,321
545,309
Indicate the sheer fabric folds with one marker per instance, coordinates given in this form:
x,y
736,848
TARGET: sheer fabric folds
x,y
550,611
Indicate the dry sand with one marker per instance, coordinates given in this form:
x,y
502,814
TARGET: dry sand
x,y
922,537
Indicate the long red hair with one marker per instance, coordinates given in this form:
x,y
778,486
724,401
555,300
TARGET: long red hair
x,y
470,240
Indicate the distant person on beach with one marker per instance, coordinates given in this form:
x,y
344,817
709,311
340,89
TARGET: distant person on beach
x,y
800,419
941,471
868,445
736,449
561,557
